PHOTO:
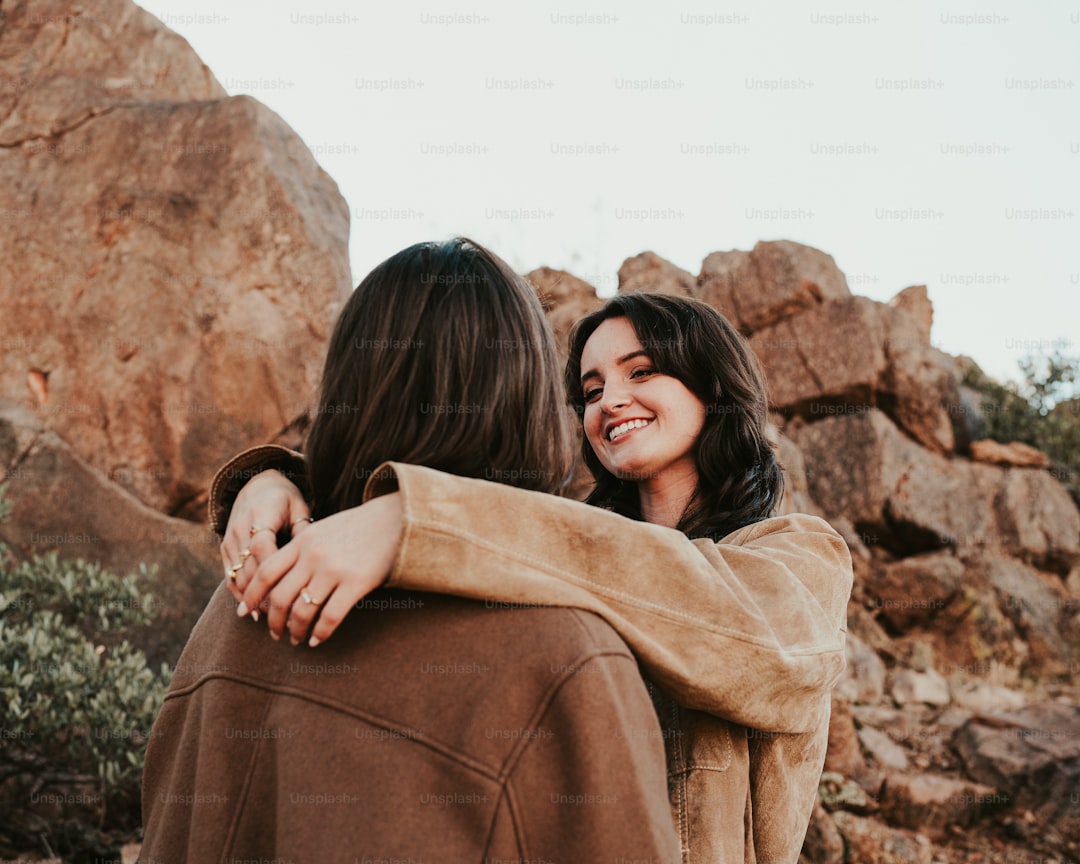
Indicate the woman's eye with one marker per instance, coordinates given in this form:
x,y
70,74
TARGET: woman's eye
x,y
642,372
593,394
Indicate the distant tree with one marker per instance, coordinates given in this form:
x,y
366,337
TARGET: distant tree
x,y
1042,410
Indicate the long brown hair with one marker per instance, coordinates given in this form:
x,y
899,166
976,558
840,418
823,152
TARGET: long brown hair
x,y
739,479
441,357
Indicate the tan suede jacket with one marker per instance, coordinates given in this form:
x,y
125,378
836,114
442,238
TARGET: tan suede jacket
x,y
744,638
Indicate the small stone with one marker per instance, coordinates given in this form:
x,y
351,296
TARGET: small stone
x,y
927,687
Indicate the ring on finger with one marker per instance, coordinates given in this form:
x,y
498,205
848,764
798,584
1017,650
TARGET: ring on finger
x,y
296,522
307,597
255,529
244,555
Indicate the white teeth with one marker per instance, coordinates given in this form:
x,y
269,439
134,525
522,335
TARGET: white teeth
x,y
623,428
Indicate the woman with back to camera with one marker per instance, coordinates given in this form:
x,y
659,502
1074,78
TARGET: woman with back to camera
x,y
737,618
426,729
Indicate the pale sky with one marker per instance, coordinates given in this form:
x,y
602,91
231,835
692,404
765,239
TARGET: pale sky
x,y
916,142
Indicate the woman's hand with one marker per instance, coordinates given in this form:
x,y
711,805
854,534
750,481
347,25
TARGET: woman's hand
x,y
268,503
323,572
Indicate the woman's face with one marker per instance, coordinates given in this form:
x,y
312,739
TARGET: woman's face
x,y
641,424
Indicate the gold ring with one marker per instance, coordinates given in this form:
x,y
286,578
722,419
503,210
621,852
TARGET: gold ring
x,y
301,519
232,576
255,529
244,555
307,597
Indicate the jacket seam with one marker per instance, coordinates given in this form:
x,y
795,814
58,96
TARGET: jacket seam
x,y
615,594
546,699
238,811
543,706
274,689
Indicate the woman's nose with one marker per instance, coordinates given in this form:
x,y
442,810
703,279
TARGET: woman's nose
x,y
614,398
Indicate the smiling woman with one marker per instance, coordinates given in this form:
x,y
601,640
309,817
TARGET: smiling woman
x,y
696,456
641,424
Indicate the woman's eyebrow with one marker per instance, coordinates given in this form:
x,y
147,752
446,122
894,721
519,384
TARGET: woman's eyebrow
x,y
595,373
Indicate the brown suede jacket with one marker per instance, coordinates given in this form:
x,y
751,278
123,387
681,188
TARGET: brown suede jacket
x,y
744,638
429,729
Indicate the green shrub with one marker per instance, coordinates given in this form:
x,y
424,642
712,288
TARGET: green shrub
x,y
1043,411
78,702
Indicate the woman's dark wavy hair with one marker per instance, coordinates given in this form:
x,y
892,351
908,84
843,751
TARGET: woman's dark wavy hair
x,y
739,478
441,357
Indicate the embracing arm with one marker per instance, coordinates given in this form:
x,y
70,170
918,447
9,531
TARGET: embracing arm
x,y
235,474
751,628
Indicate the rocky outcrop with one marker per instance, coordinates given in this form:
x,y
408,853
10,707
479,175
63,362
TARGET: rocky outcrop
x,y
63,65
649,272
859,465
855,354
565,299
774,281
175,256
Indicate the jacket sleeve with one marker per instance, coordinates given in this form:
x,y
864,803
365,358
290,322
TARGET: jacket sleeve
x,y
750,629
231,477
591,782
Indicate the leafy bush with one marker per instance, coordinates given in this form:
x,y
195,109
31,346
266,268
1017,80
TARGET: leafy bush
x,y
78,701
1043,411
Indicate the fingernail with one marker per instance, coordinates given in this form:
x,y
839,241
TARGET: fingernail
x,y
242,609
294,641
255,615
313,642
274,636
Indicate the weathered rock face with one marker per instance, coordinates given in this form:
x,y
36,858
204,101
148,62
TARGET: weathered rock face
x,y
916,302
565,299
1014,453
772,282
649,272
930,803
63,65
1032,756
860,466
59,502
172,267
853,354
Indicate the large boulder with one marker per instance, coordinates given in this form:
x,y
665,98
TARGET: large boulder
x,y
914,590
61,503
63,65
168,292
649,272
855,353
775,280
859,465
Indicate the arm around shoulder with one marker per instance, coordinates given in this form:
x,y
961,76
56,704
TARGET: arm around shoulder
x,y
750,629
